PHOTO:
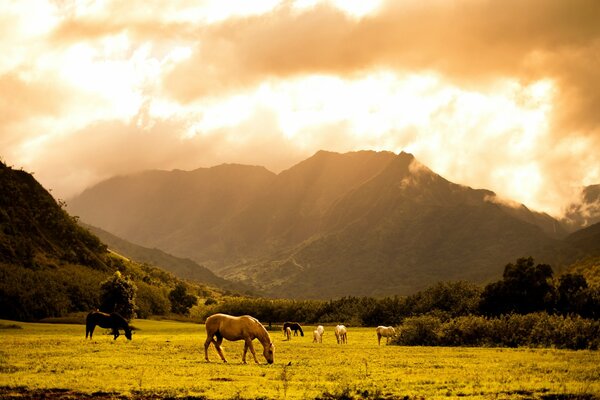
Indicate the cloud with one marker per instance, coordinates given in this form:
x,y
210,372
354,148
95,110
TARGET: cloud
x,y
497,95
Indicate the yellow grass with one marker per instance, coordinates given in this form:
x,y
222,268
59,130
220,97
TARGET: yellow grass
x,y
166,358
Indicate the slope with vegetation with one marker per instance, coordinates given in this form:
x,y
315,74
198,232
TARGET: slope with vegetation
x,y
50,266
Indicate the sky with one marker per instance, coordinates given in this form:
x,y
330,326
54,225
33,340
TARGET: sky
x,y
501,95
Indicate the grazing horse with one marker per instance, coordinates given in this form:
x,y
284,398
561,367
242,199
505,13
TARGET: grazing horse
x,y
317,338
318,334
288,333
113,321
341,334
246,328
385,331
294,326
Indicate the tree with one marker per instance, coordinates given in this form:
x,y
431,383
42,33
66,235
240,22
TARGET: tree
x,y
181,300
524,288
571,293
118,294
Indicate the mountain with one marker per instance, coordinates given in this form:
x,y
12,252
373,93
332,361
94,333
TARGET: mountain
x,y
179,212
587,240
180,267
360,223
585,211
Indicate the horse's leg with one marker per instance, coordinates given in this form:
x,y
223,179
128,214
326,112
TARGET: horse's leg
x,y
218,347
251,347
378,338
92,331
245,351
207,343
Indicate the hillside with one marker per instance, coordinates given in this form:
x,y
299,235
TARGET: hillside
x,y
173,211
50,266
362,223
587,240
180,267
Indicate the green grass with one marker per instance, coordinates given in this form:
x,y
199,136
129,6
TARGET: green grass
x,y
166,359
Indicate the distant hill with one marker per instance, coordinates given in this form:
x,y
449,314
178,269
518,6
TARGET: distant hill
x,y
586,239
360,223
180,267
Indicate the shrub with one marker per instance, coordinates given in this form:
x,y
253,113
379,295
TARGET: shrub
x,y
531,330
420,331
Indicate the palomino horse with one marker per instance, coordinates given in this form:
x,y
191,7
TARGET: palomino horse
x,y
341,334
113,321
385,331
294,326
246,328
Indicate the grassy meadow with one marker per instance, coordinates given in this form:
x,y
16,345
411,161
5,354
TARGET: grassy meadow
x,y
165,359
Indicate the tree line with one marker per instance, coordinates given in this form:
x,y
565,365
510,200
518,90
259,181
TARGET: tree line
x,y
527,307
524,288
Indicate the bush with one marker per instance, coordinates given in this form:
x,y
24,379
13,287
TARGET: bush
x,y
532,330
420,331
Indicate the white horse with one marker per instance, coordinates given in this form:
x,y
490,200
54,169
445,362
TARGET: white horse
x,y
318,334
288,333
341,334
316,337
385,331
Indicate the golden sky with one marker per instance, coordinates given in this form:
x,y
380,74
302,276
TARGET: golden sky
x,y
503,95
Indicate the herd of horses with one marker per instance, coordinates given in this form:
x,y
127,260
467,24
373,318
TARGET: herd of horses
x,y
223,326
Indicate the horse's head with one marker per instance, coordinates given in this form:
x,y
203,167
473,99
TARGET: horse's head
x,y
268,352
128,334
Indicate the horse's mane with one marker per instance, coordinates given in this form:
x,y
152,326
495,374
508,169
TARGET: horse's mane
x,y
262,333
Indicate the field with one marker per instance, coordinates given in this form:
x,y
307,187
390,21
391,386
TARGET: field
x,y
165,359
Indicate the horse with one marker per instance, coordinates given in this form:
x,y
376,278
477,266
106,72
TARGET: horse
x,y
294,326
341,334
288,333
246,328
113,321
317,338
385,331
318,334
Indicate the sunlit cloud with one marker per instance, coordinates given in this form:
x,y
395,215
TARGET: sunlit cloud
x,y
496,95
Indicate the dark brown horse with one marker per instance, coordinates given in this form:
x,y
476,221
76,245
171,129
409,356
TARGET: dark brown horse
x,y
111,321
294,326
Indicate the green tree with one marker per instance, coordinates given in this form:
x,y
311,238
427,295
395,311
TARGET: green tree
x,y
118,294
524,288
181,300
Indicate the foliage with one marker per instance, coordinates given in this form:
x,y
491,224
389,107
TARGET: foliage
x,y
151,300
118,294
181,300
451,298
525,288
28,295
514,330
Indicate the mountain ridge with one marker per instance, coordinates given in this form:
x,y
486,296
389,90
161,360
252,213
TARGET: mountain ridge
x,y
373,222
